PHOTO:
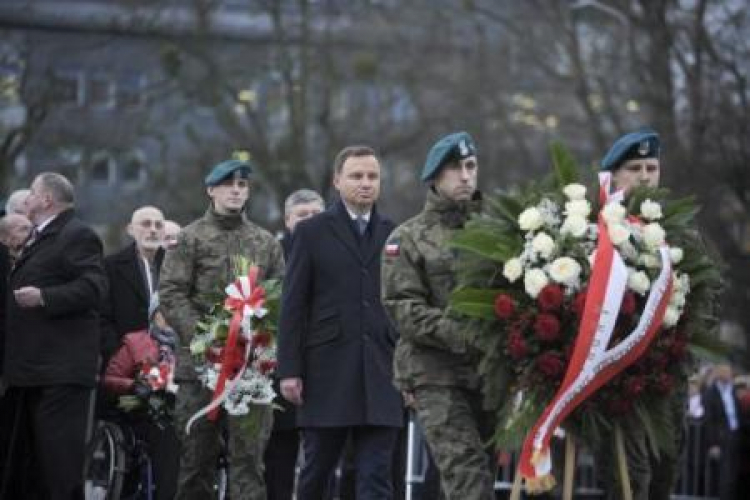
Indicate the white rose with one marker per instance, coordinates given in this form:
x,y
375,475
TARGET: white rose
x,y
676,254
578,207
618,233
614,213
638,282
575,191
671,317
651,210
530,219
628,251
677,299
653,235
534,280
197,347
651,261
565,270
681,283
543,244
513,269
575,225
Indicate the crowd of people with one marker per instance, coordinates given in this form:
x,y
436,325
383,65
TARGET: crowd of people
x,y
365,335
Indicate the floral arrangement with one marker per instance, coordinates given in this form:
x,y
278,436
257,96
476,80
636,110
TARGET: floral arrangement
x,y
542,305
235,349
158,377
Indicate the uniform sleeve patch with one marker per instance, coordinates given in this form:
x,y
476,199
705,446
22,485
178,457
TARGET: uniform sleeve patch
x,y
393,247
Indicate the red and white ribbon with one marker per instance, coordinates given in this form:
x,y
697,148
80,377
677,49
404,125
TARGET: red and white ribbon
x,y
245,298
592,364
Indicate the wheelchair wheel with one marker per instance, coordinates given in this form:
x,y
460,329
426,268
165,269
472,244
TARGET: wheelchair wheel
x,y
105,463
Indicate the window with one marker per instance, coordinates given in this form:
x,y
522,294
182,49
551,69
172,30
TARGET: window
x,y
131,168
67,87
100,91
101,168
130,91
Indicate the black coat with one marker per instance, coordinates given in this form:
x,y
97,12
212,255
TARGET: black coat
x,y
4,270
284,417
57,343
716,419
125,308
334,332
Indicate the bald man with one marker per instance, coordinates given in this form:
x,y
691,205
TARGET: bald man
x,y
133,275
171,232
14,231
16,203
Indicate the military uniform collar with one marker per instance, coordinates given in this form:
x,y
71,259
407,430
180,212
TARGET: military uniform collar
x,y
438,203
225,221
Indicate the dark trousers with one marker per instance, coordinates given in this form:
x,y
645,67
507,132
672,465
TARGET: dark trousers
x,y
16,464
373,448
57,420
164,452
280,461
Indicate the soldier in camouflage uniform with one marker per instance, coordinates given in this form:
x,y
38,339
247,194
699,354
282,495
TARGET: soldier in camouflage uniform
x,y
634,162
198,267
435,363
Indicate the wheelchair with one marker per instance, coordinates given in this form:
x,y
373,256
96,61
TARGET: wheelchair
x,y
117,465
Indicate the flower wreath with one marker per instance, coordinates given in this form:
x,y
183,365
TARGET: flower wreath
x,y
585,309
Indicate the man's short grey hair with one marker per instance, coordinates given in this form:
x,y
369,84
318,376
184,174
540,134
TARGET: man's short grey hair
x,y
59,188
14,205
300,197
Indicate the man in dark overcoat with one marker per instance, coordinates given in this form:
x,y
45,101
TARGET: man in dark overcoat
x,y
722,430
335,341
52,338
133,275
280,458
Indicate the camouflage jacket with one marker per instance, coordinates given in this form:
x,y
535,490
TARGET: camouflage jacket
x,y
200,266
418,276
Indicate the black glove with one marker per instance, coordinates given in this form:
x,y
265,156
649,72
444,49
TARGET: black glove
x,y
141,389
164,336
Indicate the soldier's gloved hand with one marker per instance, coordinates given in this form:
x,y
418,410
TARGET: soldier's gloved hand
x,y
474,343
141,389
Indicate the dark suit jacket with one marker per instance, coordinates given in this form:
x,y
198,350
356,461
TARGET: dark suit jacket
x,y
4,270
125,307
284,418
57,343
717,423
334,332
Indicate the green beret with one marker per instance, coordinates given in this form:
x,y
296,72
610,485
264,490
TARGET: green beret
x,y
225,169
643,143
452,147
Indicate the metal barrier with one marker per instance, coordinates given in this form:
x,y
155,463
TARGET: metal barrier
x,y
694,482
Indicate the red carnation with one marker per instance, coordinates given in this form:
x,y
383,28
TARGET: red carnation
x,y
579,303
635,385
628,304
265,366
547,327
550,365
678,348
261,339
664,383
550,298
516,345
660,361
504,306
619,406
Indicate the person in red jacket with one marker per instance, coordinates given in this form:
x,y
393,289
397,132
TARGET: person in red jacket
x,y
143,366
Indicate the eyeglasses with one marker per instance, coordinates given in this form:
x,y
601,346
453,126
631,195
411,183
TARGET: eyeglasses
x,y
148,224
